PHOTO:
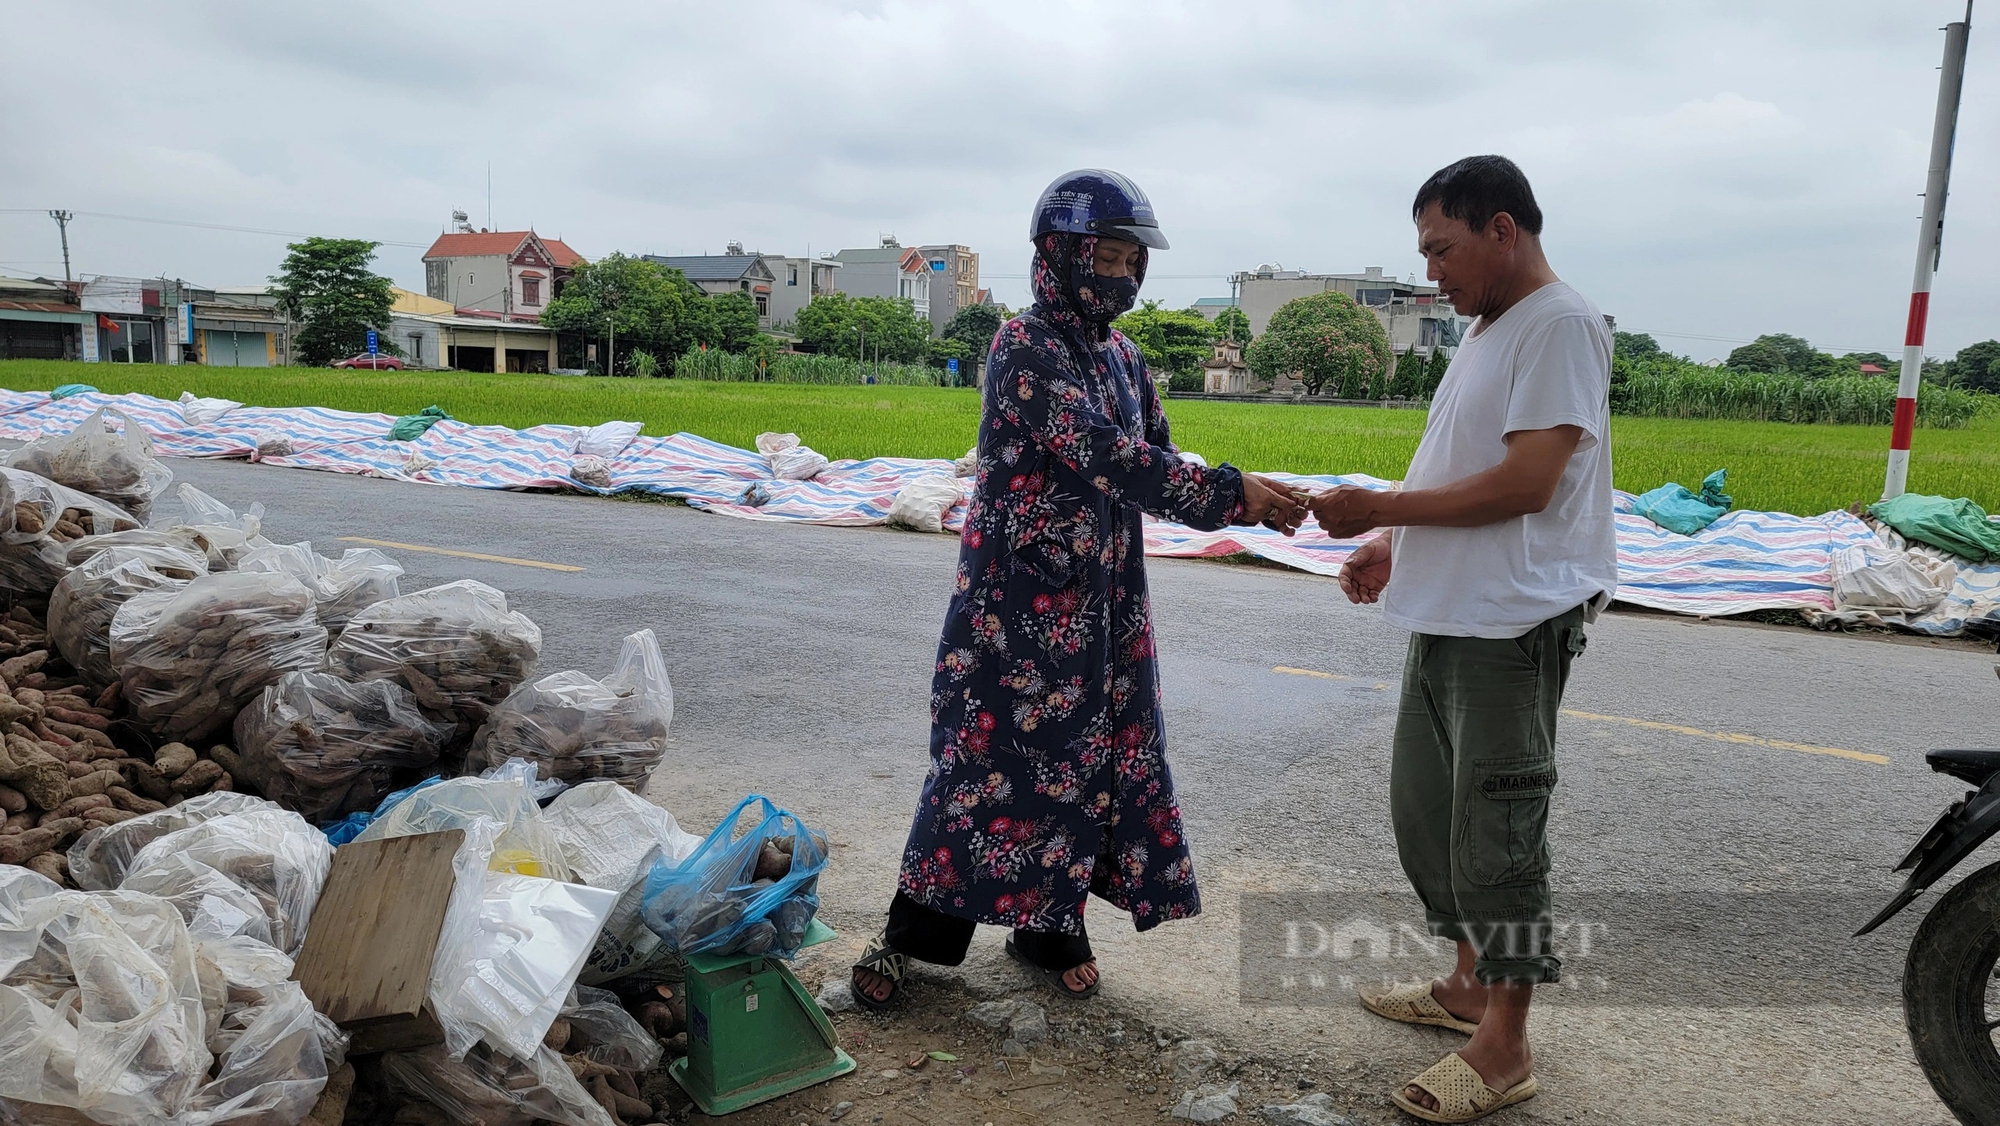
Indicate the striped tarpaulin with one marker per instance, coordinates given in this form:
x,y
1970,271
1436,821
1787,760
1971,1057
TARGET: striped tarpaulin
x,y
1744,561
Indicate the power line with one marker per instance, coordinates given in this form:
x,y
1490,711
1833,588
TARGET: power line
x,y
203,226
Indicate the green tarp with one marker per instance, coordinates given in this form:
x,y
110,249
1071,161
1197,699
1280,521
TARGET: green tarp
x,y
410,427
1958,526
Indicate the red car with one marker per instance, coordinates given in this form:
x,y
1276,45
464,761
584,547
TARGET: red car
x,y
380,361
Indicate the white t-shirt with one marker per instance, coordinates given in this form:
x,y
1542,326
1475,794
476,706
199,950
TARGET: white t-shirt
x,y
1545,362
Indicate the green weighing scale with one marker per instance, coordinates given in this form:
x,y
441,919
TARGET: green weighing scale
x,y
754,1033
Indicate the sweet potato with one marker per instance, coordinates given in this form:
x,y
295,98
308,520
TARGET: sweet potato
x,y
199,777
16,848
108,816
137,803
51,864
95,783
12,800
16,669
76,718
34,772
174,758
147,780
78,806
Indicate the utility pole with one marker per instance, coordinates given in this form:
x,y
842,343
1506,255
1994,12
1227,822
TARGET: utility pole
x,y
1930,239
62,219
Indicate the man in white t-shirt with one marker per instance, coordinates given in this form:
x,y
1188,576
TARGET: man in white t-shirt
x,y
1502,548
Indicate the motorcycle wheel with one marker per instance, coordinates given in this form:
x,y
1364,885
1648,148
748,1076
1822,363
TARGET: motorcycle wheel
x,y
1947,981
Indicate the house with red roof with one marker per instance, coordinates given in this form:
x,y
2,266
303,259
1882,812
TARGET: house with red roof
x,y
513,273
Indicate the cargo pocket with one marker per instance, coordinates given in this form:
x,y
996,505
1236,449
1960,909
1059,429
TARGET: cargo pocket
x,y
1504,836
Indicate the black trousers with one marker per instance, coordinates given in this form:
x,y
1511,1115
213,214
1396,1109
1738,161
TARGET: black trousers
x,y
932,936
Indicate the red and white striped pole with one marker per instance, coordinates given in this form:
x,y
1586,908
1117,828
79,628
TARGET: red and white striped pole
x,y
1930,240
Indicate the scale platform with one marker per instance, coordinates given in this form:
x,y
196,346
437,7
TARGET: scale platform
x,y
754,1033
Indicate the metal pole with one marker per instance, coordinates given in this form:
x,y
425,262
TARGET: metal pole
x,y
1930,239
62,219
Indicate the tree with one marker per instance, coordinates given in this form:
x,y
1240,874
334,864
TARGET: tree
x,y
326,285
1232,323
631,303
735,319
866,328
1170,340
1976,367
1633,345
1758,356
1434,374
1408,382
974,326
1776,352
1322,339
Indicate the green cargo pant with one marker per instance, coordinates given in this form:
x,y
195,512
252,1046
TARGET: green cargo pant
x,y
1473,767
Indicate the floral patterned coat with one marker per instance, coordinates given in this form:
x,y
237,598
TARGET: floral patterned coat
x,y
1048,773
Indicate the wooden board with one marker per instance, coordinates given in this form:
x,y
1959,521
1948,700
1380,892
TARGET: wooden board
x,y
368,951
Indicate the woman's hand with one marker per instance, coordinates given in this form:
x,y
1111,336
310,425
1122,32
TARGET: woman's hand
x,y
1272,504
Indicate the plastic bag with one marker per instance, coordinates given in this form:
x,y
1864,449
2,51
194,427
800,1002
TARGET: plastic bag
x,y
85,601
922,504
190,658
410,427
275,1063
607,440
349,827
115,464
966,465
275,860
201,412
1677,509
790,461
341,588
100,858
505,974
576,729
1871,577
612,838
491,1088
39,519
180,538
456,646
522,842
592,471
229,533
1958,526
324,747
520,769
601,1031
106,1016
716,902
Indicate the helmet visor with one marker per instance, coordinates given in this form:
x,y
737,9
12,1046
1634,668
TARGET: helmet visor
x,y
1145,234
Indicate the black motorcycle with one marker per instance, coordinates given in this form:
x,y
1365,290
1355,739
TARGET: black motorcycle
x,y
1951,998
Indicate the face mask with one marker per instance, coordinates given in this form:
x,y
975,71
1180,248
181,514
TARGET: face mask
x,y
1106,299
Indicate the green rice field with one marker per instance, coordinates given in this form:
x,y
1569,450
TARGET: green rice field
x,y
1787,467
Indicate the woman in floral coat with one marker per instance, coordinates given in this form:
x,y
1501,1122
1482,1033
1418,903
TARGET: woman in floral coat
x,y
1048,772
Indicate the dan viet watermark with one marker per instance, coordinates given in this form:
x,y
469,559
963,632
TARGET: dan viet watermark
x,y
1692,949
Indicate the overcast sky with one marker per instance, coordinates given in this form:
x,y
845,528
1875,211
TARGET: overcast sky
x,y
1708,170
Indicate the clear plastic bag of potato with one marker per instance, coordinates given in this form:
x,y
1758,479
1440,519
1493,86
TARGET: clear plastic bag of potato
x,y
490,1088
341,587
100,858
576,729
115,463
326,747
191,658
85,601
456,647
39,519
257,873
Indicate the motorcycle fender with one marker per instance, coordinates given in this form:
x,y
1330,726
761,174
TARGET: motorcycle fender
x,y
1962,829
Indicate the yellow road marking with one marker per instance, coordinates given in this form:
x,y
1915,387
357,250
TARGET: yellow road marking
x,y
1733,737
461,554
1656,725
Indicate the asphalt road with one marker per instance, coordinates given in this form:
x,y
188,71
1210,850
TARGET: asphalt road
x,y
1731,796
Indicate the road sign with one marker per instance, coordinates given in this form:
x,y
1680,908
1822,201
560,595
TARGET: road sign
x,y
951,365
373,344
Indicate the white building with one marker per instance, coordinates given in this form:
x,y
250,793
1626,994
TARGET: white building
x,y
890,270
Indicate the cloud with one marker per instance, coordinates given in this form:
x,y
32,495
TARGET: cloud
x,y
1718,169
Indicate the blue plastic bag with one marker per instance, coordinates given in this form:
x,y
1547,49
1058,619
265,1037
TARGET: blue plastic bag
x,y
68,389
1676,509
349,827
712,902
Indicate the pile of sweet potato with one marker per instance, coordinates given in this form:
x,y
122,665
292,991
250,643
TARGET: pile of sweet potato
x,y
70,761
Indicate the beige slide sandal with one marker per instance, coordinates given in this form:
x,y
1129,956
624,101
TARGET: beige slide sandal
x,y
1461,1094
1412,1003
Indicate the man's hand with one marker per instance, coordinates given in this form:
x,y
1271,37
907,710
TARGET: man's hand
x,y
1346,511
1271,504
1366,571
